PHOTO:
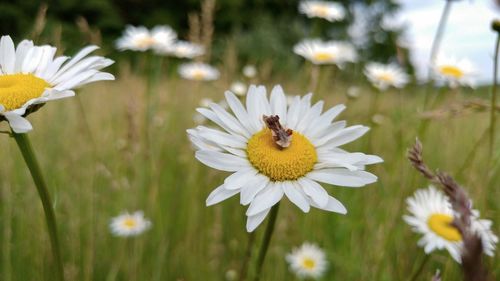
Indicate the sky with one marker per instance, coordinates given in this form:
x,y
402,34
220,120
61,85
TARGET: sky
x,y
468,33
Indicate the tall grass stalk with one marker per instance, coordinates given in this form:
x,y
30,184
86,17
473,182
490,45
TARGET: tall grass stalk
x,y
436,43
26,149
247,257
494,99
266,241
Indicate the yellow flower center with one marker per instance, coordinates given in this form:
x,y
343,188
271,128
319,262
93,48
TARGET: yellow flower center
x,y
386,77
323,57
441,225
129,223
308,263
145,42
320,11
450,70
198,75
17,89
281,164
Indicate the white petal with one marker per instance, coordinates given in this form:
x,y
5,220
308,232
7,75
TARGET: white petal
x,y
333,205
296,196
219,194
7,55
252,187
254,221
278,103
240,112
342,177
347,135
237,180
314,190
221,161
18,123
229,120
267,198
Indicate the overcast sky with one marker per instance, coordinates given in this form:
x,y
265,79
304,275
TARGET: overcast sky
x,y
468,32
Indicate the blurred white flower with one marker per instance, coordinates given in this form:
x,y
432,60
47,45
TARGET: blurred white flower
x,y
184,49
129,224
239,88
307,261
353,92
431,215
331,11
250,71
393,22
30,76
329,52
142,39
383,76
454,72
198,71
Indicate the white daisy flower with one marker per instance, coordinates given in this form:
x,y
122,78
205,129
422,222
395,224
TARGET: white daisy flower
x,y
198,71
250,71
307,261
383,76
454,72
142,39
330,11
329,52
239,88
184,49
432,215
30,76
129,224
301,149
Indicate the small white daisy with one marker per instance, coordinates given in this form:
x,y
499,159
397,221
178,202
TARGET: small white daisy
x,y
142,39
432,215
184,49
198,71
275,150
250,71
129,224
30,76
307,261
329,52
383,76
454,72
239,88
330,11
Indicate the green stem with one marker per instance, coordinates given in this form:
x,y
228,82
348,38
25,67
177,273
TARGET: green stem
x,y
494,99
248,256
267,239
420,268
26,149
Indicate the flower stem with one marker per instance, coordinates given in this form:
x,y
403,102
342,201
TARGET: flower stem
x,y
267,239
248,256
494,99
26,149
420,269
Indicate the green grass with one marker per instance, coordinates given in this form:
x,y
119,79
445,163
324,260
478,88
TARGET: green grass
x,y
92,155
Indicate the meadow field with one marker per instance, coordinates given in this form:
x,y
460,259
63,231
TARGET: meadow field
x,y
91,150
125,146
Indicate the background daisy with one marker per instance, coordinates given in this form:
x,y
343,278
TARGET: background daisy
x,y
383,76
431,215
126,224
330,11
326,52
160,38
454,72
198,71
307,261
